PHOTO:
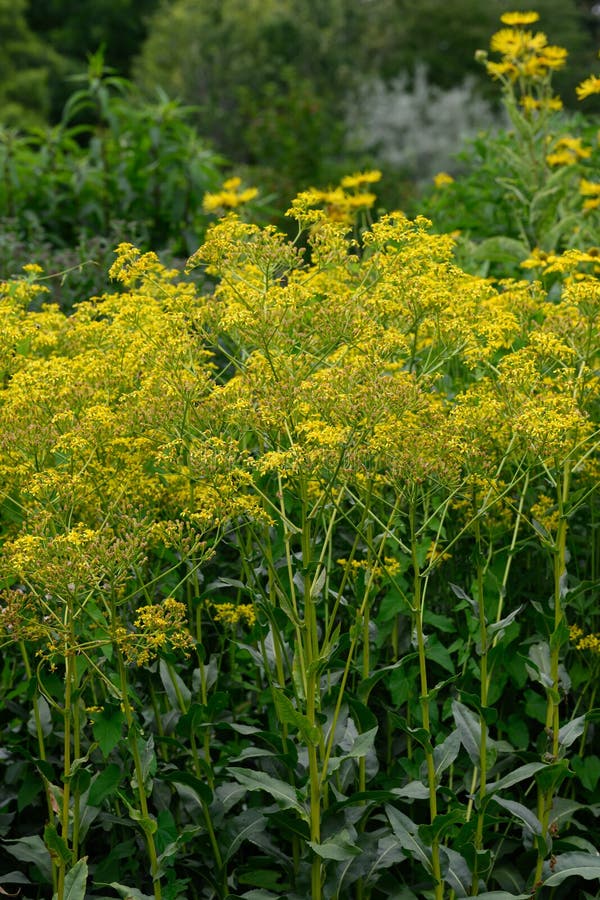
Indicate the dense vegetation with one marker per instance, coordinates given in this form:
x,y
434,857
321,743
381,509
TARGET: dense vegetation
x,y
300,559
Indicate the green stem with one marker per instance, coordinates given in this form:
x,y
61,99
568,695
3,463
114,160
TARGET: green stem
x,y
545,798
146,821
419,608
483,699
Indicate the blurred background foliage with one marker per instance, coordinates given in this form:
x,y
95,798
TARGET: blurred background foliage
x,y
290,93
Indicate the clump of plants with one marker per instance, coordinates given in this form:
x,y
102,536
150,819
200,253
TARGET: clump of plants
x,y
297,572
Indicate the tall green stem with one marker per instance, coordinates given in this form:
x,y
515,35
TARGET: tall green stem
x,y
419,608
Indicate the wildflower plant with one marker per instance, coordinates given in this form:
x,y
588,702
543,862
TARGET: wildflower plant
x,y
297,585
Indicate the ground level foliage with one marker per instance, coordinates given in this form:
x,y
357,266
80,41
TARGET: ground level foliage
x,y
299,572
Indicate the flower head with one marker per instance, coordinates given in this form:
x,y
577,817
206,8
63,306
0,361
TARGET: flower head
x,y
519,18
588,87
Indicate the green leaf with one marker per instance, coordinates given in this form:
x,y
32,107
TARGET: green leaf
x,y
128,893
441,825
339,847
571,731
568,865
516,776
501,249
200,788
250,823
32,850
501,895
406,832
498,628
414,790
529,819
57,846
469,729
283,793
289,715
446,752
107,726
76,881
177,690
104,785
438,653
455,871
587,770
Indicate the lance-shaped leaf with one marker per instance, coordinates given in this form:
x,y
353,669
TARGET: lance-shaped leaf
x,y
571,731
76,880
446,752
283,793
469,729
289,715
568,865
406,832
528,819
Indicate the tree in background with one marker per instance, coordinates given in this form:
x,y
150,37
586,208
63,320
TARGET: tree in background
x,y
27,65
273,79
78,28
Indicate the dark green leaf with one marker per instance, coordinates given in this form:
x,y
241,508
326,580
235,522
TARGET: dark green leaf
x,y
469,729
76,881
107,727
573,865
105,784
57,846
283,793
405,831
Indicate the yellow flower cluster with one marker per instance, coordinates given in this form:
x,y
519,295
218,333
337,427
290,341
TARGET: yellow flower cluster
x,y
568,150
524,54
582,641
233,615
159,626
229,197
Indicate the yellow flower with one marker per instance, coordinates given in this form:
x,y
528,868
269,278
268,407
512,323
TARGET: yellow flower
x,y
360,178
588,87
519,18
442,179
589,188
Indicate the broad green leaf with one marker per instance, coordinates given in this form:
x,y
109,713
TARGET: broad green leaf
x,y
539,670
587,770
76,881
446,752
289,715
469,729
104,785
32,850
388,854
498,628
501,895
200,788
414,790
441,824
57,846
260,894
339,847
283,793
362,744
107,727
455,871
405,831
249,823
568,865
515,777
128,893
462,595
571,731
529,819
